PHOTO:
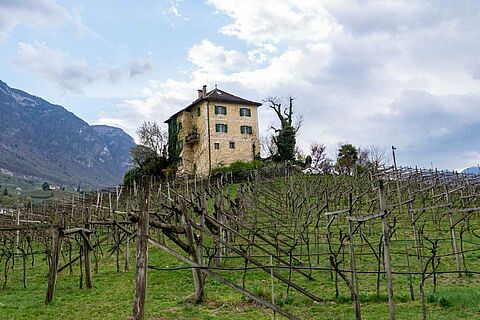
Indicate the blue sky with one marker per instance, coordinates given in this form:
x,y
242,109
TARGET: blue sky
x,y
403,73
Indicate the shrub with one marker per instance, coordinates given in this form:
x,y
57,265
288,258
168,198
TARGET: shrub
x,y
444,302
238,167
440,300
281,302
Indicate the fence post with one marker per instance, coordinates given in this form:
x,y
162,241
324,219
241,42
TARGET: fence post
x,y
353,271
86,249
142,257
386,250
452,234
53,267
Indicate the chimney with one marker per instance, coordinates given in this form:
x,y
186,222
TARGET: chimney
x,y
204,90
200,93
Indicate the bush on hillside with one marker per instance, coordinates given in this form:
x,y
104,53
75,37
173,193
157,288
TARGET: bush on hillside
x,y
238,167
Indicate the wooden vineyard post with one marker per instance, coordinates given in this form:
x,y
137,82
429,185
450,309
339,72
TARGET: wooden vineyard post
x,y
353,268
198,279
86,249
18,231
142,257
353,273
452,234
219,237
404,226
53,267
386,251
273,286
414,228
127,238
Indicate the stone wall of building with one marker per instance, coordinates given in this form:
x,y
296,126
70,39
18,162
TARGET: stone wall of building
x,y
195,155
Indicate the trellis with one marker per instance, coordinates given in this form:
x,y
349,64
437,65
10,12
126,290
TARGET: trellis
x,y
410,222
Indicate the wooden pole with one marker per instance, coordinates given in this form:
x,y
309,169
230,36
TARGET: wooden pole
x,y
273,285
18,231
142,257
198,279
386,251
86,250
452,234
53,267
353,274
127,239
404,226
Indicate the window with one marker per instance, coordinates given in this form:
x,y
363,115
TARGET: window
x,y
245,112
220,110
216,146
246,130
232,145
179,126
219,127
198,112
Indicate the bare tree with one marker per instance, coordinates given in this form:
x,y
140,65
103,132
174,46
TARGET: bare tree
x,y
299,154
319,157
142,155
372,156
363,155
153,137
268,146
378,155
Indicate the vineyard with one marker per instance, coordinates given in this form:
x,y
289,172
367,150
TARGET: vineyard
x,y
288,245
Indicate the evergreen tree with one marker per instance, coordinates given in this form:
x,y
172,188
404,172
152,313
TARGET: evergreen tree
x,y
347,157
285,139
45,186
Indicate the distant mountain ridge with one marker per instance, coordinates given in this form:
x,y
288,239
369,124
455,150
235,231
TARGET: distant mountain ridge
x,y
45,140
472,170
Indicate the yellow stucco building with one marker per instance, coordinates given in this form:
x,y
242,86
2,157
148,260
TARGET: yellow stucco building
x,y
216,129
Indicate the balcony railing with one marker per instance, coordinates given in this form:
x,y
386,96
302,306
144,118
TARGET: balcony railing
x,y
192,137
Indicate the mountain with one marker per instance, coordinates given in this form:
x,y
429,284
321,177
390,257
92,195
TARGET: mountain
x,y
472,170
44,140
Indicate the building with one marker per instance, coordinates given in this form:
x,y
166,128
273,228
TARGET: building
x,y
216,129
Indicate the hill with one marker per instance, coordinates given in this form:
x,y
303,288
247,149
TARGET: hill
x,y
40,139
472,170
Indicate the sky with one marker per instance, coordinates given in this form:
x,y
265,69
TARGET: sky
x,y
402,73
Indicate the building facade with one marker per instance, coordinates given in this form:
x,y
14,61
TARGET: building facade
x,y
215,130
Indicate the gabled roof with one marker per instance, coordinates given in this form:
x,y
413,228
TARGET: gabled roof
x,y
218,95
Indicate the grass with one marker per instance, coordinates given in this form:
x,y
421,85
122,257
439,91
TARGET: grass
x,y
112,297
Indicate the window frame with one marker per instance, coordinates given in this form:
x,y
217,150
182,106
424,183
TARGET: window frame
x,y
246,130
221,125
248,110
223,111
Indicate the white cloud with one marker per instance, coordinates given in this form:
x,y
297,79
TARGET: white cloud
x,y
55,65
208,57
139,67
277,22
72,74
35,13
